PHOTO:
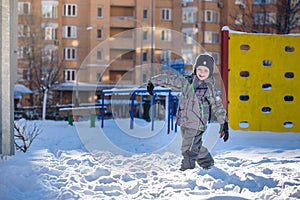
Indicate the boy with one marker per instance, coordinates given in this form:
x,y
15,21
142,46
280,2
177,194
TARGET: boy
x,y
198,98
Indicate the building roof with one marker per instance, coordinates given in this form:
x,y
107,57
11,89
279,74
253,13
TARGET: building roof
x,y
81,86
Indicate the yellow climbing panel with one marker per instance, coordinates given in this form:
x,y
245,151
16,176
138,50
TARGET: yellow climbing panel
x,y
264,82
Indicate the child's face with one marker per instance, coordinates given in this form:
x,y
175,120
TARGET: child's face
x,y
202,72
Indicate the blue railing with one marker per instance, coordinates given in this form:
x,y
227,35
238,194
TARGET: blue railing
x,y
141,91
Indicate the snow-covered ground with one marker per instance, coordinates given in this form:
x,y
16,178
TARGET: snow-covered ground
x,y
79,162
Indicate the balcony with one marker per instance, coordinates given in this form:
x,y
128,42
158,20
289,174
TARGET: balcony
x,y
116,22
127,3
120,41
122,65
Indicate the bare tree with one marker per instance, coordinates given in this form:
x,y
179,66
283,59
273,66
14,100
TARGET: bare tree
x,y
281,17
38,47
45,76
288,16
25,134
241,17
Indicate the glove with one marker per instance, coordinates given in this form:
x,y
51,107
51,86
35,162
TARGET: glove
x,y
224,133
150,88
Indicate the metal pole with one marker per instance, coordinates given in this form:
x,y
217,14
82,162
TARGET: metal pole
x,y
141,58
141,72
8,45
152,39
175,111
132,110
224,66
102,109
152,111
168,106
152,62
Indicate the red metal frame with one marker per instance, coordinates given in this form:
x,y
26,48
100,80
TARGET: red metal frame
x,y
224,66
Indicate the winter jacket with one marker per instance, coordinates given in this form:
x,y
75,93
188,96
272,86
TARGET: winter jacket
x,y
193,110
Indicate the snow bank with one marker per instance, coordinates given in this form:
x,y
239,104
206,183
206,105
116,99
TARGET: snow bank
x,y
251,165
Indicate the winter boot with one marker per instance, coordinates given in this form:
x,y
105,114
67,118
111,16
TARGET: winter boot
x,y
187,162
206,162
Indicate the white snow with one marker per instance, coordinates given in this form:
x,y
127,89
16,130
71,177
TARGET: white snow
x,y
79,162
22,89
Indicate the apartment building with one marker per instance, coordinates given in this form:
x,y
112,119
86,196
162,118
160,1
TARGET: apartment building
x,y
100,43
111,41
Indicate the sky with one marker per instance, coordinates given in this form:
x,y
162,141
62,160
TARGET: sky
x,y
116,162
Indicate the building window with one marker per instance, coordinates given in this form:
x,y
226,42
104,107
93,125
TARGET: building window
x,y
145,56
69,31
240,2
264,18
264,1
99,77
216,57
211,37
189,17
69,53
239,20
24,52
99,55
25,76
50,33
144,78
211,16
99,33
145,13
188,55
145,35
49,11
70,10
69,75
49,54
23,30
165,55
166,14
258,18
166,35
100,12
21,53
297,15
189,35
24,8
47,71
271,18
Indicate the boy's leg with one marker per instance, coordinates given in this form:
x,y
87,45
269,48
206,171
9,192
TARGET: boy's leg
x,y
205,160
191,142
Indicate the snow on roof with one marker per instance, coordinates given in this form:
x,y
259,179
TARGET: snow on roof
x,y
82,86
226,28
22,89
138,90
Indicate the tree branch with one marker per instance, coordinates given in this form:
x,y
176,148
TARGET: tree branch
x,y
25,134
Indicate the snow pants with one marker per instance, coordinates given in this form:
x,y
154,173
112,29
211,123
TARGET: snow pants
x,y
193,150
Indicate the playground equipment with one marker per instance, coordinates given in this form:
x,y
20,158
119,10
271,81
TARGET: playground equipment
x,y
261,75
168,93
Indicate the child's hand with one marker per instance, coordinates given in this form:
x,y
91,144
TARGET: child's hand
x,y
150,88
224,133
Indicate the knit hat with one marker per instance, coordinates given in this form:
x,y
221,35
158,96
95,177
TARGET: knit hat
x,y
205,60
